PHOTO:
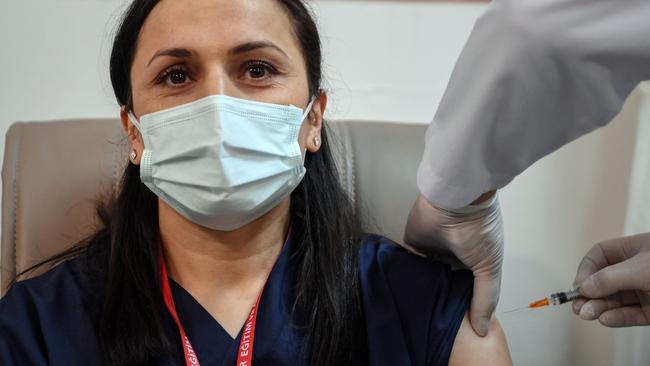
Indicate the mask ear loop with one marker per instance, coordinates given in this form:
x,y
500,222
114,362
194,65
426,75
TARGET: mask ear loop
x,y
308,109
134,121
304,115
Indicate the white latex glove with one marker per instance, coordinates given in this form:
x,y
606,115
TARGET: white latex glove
x,y
614,278
473,235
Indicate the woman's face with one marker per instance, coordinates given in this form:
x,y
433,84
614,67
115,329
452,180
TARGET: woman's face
x,y
246,49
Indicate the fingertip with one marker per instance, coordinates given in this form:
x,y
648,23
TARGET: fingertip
x,y
481,310
605,319
484,327
480,324
587,312
588,288
577,305
577,282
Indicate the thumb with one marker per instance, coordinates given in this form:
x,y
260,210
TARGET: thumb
x,y
610,280
484,302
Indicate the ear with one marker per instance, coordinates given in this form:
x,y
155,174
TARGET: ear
x,y
133,135
315,119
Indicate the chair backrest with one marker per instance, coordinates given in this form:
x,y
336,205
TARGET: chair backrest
x,y
53,173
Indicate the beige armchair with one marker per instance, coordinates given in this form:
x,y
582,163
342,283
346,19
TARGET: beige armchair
x,y
53,172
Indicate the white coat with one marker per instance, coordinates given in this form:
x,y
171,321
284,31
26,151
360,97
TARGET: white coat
x,y
534,75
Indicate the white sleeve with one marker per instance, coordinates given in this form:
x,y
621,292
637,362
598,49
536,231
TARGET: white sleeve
x,y
533,76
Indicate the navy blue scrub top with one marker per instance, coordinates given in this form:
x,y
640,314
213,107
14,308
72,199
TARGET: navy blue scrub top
x,y
413,308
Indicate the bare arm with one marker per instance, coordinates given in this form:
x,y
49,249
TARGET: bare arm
x,y
470,349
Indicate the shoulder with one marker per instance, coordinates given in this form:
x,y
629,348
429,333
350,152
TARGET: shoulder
x,y
45,316
65,282
380,255
413,305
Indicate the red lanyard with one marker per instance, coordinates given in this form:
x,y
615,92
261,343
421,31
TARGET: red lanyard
x,y
245,350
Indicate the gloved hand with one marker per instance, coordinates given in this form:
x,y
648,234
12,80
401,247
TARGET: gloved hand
x,y
473,235
614,278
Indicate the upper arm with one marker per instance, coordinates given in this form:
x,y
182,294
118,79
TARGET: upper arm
x,y
470,349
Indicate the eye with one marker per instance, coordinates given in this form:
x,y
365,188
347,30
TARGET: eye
x,y
260,70
257,72
174,76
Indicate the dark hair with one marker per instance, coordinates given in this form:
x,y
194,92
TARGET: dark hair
x,y
123,254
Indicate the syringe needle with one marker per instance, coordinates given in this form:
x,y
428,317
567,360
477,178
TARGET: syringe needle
x,y
510,311
555,299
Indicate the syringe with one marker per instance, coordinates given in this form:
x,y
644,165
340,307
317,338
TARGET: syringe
x,y
555,299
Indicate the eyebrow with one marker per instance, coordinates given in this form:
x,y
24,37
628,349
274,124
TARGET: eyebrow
x,y
243,48
174,52
251,46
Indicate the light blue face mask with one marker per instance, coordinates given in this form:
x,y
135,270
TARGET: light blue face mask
x,y
220,161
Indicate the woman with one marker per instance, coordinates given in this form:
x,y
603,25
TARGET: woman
x,y
241,245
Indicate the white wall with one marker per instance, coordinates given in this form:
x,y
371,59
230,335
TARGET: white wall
x,y
632,344
384,61
554,213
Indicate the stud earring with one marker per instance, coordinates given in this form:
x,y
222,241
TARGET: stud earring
x,y
133,155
